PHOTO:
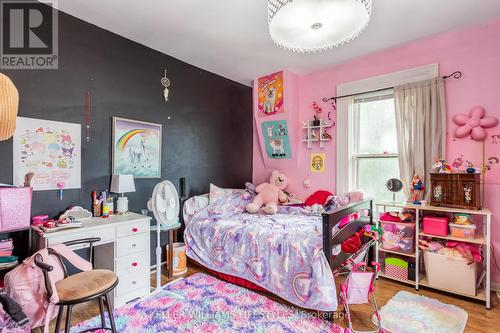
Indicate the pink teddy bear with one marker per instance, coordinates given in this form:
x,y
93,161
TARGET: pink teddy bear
x,y
269,194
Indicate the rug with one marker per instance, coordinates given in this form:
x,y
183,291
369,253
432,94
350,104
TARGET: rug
x,y
411,313
202,303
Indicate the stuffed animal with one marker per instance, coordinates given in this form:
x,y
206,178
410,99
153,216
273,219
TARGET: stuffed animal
x,y
269,194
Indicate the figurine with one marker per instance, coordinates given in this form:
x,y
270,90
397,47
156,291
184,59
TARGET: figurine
x,y
441,166
470,167
416,188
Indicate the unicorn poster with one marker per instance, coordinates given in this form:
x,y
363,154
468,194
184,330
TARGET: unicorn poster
x,y
136,148
49,151
271,90
276,139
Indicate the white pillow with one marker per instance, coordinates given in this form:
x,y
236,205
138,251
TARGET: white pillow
x,y
217,192
194,205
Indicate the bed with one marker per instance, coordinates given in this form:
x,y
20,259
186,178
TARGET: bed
x,y
288,254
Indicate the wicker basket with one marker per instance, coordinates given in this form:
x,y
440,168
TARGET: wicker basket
x,y
457,190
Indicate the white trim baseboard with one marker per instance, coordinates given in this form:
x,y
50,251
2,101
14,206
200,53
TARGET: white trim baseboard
x,y
495,286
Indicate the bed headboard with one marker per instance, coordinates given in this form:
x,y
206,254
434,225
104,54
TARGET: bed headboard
x,y
332,218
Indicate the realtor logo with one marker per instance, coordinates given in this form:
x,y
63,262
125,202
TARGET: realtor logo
x,y
29,36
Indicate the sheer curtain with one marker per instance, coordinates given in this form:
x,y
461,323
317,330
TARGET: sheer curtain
x,y
421,129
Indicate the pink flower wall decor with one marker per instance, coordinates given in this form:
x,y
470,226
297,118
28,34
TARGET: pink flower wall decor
x,y
474,124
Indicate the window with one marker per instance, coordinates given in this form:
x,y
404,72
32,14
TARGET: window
x,y
374,144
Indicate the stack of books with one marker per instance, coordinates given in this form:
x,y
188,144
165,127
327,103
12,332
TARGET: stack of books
x,y
7,260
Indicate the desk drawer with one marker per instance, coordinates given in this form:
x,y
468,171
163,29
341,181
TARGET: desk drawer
x,y
106,234
132,263
132,295
133,228
132,244
131,282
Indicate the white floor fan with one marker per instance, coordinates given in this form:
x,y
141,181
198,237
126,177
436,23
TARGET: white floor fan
x,y
165,206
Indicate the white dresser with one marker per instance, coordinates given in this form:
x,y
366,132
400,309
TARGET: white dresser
x,y
124,248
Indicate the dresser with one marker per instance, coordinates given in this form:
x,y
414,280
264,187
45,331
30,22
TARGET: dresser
x,y
124,249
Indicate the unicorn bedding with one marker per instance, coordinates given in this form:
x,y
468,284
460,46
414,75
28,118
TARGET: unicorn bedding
x,y
282,253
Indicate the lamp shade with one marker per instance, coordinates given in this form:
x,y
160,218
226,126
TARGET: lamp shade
x,y
122,184
9,102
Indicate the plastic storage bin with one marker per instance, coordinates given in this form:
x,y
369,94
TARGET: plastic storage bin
x,y
397,236
436,225
463,231
450,273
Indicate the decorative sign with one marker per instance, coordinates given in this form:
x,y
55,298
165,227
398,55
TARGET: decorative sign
x,y
50,150
136,148
276,139
318,162
270,90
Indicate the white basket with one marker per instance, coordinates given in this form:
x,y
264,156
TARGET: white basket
x,y
450,273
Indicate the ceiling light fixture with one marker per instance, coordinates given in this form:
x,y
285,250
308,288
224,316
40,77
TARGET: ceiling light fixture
x,y
316,25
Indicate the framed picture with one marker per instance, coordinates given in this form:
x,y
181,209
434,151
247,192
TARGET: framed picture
x,y
50,151
276,139
318,161
271,91
136,148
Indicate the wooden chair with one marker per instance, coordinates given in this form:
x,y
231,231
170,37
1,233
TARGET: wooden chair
x,y
80,287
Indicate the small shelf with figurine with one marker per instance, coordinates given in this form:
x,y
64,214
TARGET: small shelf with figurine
x,y
316,130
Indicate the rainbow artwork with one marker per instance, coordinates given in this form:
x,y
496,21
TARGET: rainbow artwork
x,y
136,148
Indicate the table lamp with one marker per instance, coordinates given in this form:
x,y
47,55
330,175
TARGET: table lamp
x,y
122,184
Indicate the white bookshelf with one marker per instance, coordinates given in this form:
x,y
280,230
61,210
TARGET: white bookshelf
x,y
482,239
310,130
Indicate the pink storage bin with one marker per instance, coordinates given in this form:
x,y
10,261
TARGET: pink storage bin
x,y
15,208
398,236
436,225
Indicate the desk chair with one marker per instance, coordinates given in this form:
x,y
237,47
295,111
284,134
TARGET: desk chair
x,y
80,287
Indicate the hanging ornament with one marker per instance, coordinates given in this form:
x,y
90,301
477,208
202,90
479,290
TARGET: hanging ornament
x,y
166,83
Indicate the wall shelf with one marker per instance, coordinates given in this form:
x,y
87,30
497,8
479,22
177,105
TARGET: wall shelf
x,y
316,133
482,239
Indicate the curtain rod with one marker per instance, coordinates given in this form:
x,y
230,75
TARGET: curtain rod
x,y
455,75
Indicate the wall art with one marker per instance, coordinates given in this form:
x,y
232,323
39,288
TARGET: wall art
x,y
276,139
50,151
271,93
136,148
318,162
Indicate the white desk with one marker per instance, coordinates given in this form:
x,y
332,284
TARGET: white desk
x,y
124,248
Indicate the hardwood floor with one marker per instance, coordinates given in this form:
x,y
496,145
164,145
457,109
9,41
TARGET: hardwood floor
x,y
480,320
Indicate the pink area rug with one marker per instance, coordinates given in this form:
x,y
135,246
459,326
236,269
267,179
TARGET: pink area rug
x,y
411,313
202,303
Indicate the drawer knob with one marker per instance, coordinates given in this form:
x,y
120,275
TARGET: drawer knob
x,y
134,245
134,229
134,264
134,283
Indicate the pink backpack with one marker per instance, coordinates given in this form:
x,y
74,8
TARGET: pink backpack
x,y
26,285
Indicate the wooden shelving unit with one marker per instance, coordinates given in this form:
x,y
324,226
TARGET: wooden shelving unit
x,y
484,240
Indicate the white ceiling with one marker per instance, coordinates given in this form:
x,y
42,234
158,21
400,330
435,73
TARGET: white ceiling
x,y
230,37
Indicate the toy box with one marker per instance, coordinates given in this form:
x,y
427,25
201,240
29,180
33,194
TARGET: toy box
x,y
15,208
436,225
398,236
450,273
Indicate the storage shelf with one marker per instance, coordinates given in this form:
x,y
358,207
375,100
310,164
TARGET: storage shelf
x,y
412,255
480,295
479,239
483,211
410,282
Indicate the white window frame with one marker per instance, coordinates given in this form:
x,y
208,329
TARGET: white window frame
x,y
345,176
355,155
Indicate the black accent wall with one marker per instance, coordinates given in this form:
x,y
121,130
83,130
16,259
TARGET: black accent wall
x,y
208,138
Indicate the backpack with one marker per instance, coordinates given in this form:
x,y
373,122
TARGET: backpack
x,y
25,284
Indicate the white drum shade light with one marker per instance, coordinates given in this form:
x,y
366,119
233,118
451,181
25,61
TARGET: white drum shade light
x,y
316,25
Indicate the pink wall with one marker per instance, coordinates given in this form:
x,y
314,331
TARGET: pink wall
x,y
474,51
